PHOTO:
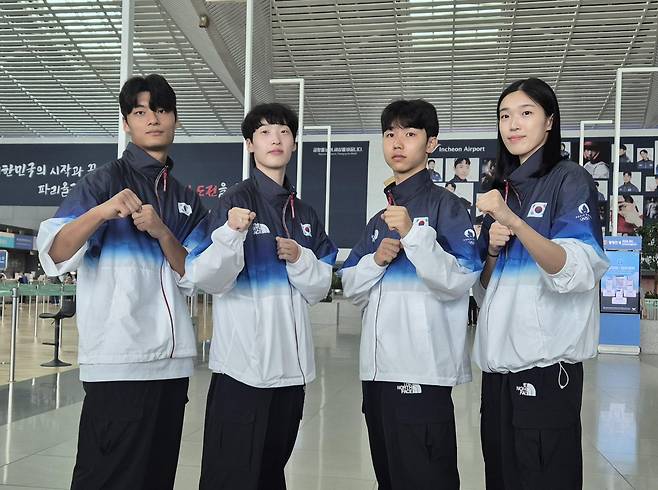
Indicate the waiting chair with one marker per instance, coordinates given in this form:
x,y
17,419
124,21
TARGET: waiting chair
x,y
67,310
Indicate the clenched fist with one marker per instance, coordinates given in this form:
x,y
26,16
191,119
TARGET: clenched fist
x,y
388,249
240,219
287,249
121,205
397,218
493,204
148,220
499,235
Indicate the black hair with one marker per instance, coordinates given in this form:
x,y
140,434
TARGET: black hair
x,y
628,173
623,147
272,113
542,94
465,160
451,184
628,198
418,114
596,183
431,160
162,95
644,151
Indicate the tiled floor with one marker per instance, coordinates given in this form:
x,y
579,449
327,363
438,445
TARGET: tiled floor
x,y
620,423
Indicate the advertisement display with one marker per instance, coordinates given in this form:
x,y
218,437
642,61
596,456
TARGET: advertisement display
x,y
620,286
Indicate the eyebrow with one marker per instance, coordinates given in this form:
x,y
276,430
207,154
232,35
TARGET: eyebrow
x,y
524,105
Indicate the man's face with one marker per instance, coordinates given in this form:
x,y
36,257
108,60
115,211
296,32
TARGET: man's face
x,y
462,170
622,152
430,164
587,153
644,155
272,145
627,178
148,129
405,149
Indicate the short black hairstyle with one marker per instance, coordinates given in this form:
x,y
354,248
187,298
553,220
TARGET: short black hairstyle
x,y
623,147
465,160
417,113
272,113
644,151
162,95
431,160
452,184
628,173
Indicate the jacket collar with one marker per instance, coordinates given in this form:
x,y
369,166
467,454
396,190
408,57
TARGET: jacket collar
x,y
270,190
522,177
403,192
144,163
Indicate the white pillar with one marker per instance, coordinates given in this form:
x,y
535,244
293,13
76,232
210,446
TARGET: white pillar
x,y
249,48
126,63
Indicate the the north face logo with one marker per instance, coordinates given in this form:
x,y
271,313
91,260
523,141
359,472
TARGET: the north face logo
x,y
260,229
184,208
526,389
410,389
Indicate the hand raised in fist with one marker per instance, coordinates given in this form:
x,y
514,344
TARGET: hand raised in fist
x,y
240,219
388,249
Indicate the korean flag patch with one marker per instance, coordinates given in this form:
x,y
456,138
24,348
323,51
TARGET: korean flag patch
x,y
537,210
306,229
421,221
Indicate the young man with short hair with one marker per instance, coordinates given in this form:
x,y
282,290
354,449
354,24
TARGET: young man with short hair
x,y
411,274
122,229
266,259
462,169
628,187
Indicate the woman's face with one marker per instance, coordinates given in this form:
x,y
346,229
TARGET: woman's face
x,y
523,124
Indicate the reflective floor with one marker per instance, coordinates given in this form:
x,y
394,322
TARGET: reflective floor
x,y
39,419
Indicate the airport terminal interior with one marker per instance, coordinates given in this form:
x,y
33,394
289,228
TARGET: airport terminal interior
x,y
337,64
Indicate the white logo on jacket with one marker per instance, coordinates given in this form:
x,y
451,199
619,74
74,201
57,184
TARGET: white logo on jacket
x,y
537,210
260,229
306,229
421,221
410,389
469,233
184,208
375,235
526,389
584,211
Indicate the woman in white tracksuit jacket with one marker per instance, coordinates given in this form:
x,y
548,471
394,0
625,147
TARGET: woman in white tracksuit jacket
x,y
538,294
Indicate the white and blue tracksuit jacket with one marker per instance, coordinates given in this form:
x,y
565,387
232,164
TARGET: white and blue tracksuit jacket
x,y
261,329
132,315
415,309
529,318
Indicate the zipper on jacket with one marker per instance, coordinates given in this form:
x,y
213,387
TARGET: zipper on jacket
x,y
379,300
294,324
164,294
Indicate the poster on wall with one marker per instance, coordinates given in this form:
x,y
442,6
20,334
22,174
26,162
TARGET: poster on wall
x,y
620,286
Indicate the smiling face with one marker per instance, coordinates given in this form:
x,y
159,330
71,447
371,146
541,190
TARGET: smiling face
x,y
523,125
272,146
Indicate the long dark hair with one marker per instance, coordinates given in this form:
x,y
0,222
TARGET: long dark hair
x,y
541,93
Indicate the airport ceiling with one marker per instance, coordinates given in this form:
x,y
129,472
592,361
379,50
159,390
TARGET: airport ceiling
x,y
59,59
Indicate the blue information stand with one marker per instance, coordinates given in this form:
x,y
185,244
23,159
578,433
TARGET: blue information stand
x,y
620,296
